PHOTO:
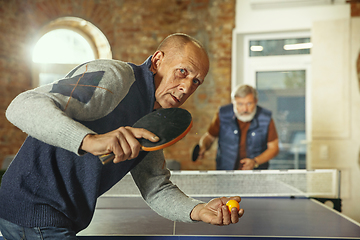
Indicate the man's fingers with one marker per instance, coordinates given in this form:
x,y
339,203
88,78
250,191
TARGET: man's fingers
x,y
128,147
218,220
241,212
121,147
201,153
234,215
226,215
122,142
236,198
143,133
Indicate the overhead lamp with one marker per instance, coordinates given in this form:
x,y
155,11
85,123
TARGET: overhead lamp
x,y
298,46
256,48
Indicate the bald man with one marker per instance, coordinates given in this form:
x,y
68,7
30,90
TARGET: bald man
x,y
51,187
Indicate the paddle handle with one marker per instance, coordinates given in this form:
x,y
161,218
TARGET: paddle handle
x,y
106,158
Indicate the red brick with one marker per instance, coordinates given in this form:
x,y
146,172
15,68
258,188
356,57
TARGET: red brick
x,y
134,29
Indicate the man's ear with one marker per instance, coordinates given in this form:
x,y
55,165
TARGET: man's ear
x,y
156,60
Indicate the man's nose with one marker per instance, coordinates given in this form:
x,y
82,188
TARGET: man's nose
x,y
246,108
243,108
185,85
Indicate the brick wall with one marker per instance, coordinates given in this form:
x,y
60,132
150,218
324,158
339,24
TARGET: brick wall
x,y
134,29
355,9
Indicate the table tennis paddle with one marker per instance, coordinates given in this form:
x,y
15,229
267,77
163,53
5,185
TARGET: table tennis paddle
x,y
169,124
195,153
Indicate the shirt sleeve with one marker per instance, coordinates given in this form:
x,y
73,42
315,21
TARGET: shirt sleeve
x,y
153,180
272,134
214,127
51,113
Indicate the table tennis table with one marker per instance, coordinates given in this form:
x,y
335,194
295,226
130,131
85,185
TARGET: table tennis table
x,y
264,218
278,205
290,213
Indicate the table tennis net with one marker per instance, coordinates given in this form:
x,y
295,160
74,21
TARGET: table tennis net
x,y
315,183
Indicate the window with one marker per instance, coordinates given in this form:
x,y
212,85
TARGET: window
x,y
275,47
66,43
57,52
62,46
284,93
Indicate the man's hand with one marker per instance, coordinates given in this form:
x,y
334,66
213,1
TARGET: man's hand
x,y
202,151
247,164
271,151
122,142
205,143
216,212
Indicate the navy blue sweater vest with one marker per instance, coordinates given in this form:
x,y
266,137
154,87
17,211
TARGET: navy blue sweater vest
x,y
227,157
50,186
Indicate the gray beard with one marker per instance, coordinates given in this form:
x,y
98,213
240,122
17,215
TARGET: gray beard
x,y
244,118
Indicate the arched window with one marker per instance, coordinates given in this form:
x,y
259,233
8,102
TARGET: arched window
x,y
66,43
62,46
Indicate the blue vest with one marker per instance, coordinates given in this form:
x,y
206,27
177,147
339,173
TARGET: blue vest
x,y
229,137
60,188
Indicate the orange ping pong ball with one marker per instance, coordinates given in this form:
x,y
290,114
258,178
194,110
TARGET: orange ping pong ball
x,y
232,204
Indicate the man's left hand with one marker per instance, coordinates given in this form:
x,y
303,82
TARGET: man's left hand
x,y
216,212
247,164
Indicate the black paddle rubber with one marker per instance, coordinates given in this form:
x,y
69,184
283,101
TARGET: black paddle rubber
x,y
169,124
195,153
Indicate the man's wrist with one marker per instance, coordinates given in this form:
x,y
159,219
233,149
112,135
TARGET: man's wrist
x,y
194,215
85,144
256,162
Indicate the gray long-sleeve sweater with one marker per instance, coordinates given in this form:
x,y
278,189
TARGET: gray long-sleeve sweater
x,y
49,183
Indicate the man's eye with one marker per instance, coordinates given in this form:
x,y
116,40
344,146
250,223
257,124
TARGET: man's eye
x,y
196,81
182,71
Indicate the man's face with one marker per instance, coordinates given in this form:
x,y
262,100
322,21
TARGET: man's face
x,y
178,76
245,108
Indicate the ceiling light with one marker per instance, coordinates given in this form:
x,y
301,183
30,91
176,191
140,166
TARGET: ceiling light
x,y
256,48
298,46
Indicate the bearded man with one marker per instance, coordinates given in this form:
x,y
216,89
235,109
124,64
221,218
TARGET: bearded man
x,y
247,137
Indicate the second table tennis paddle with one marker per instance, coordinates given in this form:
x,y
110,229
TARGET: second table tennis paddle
x,y
169,124
195,153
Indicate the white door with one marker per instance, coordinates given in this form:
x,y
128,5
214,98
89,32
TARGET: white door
x,y
282,79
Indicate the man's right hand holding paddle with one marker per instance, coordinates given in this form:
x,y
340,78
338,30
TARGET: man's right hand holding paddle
x,y
122,142
204,145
